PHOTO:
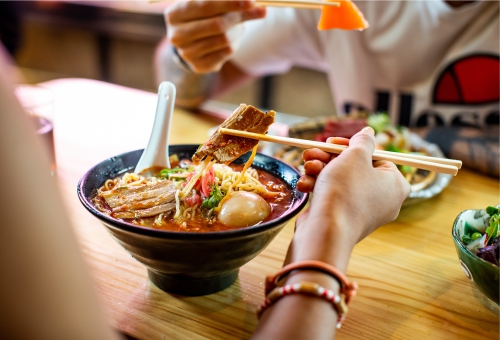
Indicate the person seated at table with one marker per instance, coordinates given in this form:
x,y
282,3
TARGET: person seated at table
x,y
431,64
47,293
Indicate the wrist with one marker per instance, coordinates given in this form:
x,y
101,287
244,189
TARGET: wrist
x,y
323,239
179,61
192,88
339,293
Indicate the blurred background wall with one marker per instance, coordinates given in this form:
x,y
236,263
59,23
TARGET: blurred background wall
x,y
115,41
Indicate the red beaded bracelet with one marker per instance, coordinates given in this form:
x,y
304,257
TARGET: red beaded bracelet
x,y
307,288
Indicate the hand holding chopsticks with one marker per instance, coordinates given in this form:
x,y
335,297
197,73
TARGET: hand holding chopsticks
x,y
444,165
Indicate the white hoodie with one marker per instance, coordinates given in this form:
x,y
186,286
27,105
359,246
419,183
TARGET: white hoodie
x,y
423,62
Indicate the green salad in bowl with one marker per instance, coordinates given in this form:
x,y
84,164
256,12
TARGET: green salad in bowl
x,y
476,235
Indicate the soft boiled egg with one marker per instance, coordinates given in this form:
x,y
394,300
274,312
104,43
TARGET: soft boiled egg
x,y
244,209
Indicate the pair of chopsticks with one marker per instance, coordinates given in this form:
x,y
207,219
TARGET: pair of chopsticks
x,y
309,4
444,165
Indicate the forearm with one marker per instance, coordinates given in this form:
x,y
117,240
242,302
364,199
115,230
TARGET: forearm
x,y
333,244
192,89
297,316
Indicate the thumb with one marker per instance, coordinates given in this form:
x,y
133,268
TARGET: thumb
x,y
362,144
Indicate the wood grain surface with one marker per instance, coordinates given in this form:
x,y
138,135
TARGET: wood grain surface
x,y
411,283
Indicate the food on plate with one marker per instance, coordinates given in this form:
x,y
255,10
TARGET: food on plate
x,y
388,137
397,139
346,16
346,127
205,193
481,234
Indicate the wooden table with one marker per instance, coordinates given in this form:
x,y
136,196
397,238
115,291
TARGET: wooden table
x,y
411,283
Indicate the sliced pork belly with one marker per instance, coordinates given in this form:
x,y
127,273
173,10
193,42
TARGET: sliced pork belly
x,y
225,148
145,212
162,198
129,194
141,201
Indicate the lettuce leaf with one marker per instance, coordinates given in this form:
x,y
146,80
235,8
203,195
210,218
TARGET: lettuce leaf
x,y
379,122
492,229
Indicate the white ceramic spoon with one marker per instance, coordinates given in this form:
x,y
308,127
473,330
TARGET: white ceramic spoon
x,y
156,153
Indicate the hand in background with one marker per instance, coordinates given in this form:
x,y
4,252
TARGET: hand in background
x,y
198,30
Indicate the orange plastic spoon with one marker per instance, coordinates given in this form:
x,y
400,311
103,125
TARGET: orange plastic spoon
x,y
347,16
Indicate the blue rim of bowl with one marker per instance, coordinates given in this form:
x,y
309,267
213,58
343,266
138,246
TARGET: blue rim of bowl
x,y
459,242
252,230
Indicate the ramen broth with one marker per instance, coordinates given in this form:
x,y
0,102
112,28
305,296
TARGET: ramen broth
x,y
278,203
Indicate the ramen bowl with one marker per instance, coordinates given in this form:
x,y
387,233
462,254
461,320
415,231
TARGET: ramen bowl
x,y
483,274
190,263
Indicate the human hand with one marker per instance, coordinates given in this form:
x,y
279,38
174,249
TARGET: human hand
x,y
198,30
352,196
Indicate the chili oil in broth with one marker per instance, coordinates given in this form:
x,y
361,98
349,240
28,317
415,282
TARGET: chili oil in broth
x,y
278,204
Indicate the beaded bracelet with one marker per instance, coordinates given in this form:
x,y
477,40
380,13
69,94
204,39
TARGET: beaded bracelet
x,y
310,289
347,289
340,302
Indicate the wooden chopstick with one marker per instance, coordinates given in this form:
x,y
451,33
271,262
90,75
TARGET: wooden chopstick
x,y
447,161
444,165
308,4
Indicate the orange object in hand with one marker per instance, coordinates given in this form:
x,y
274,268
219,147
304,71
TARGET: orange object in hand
x,y
346,16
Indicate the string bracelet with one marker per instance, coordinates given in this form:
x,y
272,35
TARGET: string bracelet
x,y
310,289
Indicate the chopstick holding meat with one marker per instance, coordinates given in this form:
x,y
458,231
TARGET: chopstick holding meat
x,y
225,148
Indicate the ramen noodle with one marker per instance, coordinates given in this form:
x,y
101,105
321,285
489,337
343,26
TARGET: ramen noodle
x,y
199,209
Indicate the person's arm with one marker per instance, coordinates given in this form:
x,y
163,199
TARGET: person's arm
x,y
352,196
45,290
196,52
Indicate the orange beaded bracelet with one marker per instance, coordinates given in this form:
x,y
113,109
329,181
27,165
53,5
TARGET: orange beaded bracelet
x,y
348,289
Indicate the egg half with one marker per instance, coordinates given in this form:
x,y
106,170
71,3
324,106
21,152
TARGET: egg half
x,y
244,209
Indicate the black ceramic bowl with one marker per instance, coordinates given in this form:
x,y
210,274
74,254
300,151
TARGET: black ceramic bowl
x,y
189,263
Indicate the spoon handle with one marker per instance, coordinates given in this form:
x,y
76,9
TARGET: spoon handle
x,y
156,153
